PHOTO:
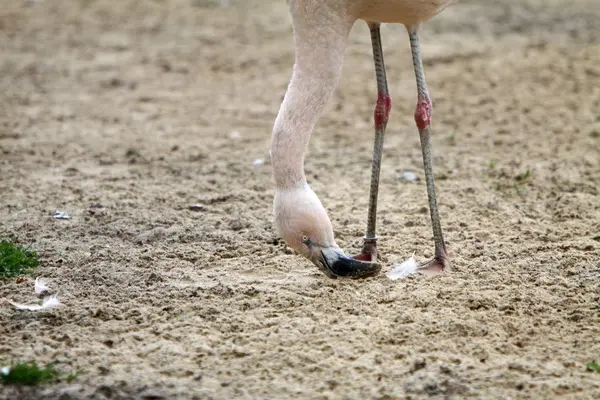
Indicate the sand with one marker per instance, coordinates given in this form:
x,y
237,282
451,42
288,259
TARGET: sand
x,y
147,121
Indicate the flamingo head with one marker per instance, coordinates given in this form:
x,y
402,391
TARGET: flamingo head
x,y
303,223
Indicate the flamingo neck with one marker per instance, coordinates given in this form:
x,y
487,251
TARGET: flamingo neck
x,y
306,96
319,55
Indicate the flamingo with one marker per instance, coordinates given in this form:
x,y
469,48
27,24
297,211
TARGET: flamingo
x,y
321,29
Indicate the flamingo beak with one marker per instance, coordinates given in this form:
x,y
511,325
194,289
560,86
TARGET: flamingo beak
x,y
334,263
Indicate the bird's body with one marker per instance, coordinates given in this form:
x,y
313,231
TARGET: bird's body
x,y
321,29
407,12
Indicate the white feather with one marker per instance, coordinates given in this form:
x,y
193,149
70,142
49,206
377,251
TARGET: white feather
x,y
40,286
49,302
401,271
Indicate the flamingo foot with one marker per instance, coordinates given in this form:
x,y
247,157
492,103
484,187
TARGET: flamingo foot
x,y
369,251
435,266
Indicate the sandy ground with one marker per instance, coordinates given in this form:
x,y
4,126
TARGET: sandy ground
x,y
143,121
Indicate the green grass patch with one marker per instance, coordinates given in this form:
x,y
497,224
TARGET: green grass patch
x,y
28,374
593,366
16,260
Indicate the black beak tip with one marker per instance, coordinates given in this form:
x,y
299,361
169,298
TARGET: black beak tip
x,y
350,268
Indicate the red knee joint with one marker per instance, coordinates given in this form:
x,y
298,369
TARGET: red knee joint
x,y
423,112
382,109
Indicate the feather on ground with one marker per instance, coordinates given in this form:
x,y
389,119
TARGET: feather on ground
x,y
40,286
49,302
40,289
401,271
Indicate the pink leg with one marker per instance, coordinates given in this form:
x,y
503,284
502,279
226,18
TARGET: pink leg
x,y
423,120
380,116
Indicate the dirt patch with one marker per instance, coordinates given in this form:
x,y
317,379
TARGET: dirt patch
x,y
146,122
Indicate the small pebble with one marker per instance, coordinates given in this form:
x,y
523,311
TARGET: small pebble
x,y
61,215
408,176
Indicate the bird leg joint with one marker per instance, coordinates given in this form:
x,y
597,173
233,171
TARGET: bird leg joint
x,y
382,109
423,112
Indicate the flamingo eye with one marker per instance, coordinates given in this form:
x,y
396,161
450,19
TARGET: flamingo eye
x,y
305,240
